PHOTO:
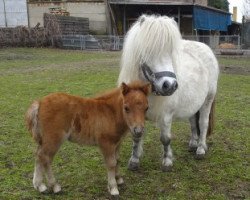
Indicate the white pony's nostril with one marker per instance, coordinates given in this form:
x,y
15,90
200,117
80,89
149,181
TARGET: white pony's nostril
x,y
166,86
175,85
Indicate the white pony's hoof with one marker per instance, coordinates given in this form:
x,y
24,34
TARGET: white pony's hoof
x,y
165,168
200,153
192,149
114,197
57,188
167,164
42,188
133,166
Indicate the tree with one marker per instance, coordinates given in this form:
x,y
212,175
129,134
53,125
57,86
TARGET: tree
x,y
219,4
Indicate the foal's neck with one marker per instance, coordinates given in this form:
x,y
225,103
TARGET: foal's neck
x,y
114,99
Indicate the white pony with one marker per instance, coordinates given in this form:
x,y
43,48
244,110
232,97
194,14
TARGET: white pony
x,y
183,75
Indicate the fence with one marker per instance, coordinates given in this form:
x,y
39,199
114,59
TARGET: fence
x,y
116,42
215,42
90,42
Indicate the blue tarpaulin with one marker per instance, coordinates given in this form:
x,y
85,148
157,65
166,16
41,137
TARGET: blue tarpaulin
x,y
206,19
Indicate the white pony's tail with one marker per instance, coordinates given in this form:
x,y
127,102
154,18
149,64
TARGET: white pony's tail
x,y
31,119
150,38
210,122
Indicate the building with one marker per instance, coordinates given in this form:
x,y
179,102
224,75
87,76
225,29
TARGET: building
x,y
194,17
191,15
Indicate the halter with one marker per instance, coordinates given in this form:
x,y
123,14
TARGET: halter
x,y
152,77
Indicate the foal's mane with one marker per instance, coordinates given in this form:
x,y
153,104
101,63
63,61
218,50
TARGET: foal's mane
x,y
109,94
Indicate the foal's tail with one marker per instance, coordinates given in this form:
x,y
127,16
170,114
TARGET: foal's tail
x,y
31,119
210,122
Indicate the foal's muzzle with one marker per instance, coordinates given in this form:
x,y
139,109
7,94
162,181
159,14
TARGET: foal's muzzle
x,y
138,131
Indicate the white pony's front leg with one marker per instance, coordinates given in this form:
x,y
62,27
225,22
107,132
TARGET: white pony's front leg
x,y
137,151
167,161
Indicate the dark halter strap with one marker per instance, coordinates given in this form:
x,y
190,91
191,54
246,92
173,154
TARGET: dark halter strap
x,y
151,76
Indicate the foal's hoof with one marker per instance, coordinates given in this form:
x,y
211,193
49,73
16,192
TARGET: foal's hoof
x,y
120,181
133,166
57,188
165,168
41,188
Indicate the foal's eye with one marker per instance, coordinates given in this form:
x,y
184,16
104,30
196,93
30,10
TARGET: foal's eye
x,y
126,108
146,109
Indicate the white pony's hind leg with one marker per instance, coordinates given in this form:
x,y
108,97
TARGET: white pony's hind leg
x,y
167,161
193,143
203,124
137,151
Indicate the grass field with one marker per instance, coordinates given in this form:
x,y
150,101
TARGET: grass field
x,y
28,74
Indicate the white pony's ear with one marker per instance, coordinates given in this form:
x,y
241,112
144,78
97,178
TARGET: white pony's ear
x,y
173,21
142,19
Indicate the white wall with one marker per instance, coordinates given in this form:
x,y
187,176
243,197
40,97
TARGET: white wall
x,y
96,12
14,14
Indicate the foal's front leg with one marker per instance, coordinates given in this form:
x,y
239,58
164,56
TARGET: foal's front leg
x,y
118,176
136,154
167,161
109,153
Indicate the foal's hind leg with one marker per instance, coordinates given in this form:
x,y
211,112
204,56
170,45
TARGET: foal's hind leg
x,y
45,155
203,125
38,173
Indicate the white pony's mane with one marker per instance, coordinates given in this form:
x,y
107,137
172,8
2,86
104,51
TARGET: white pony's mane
x,y
150,37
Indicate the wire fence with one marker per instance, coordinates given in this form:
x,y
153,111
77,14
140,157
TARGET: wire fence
x,y
90,42
104,42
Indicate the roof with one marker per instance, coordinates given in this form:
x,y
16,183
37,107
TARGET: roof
x,y
164,3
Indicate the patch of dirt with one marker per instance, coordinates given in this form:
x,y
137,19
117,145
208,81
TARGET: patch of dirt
x,y
235,70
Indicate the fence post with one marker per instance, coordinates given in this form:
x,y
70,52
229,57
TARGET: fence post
x,y
238,41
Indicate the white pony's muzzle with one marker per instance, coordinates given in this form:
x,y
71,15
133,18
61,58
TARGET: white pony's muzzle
x,y
163,83
165,86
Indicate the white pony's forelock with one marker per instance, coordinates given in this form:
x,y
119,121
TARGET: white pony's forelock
x,y
150,37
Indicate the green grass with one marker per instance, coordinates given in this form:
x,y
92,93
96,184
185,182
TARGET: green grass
x,y
28,74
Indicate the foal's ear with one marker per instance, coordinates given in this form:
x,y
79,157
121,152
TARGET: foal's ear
x,y
146,89
125,88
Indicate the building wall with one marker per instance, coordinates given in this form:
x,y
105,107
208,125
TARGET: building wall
x,y
96,12
13,13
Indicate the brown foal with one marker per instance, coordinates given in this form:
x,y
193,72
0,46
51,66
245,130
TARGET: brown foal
x,y
101,121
